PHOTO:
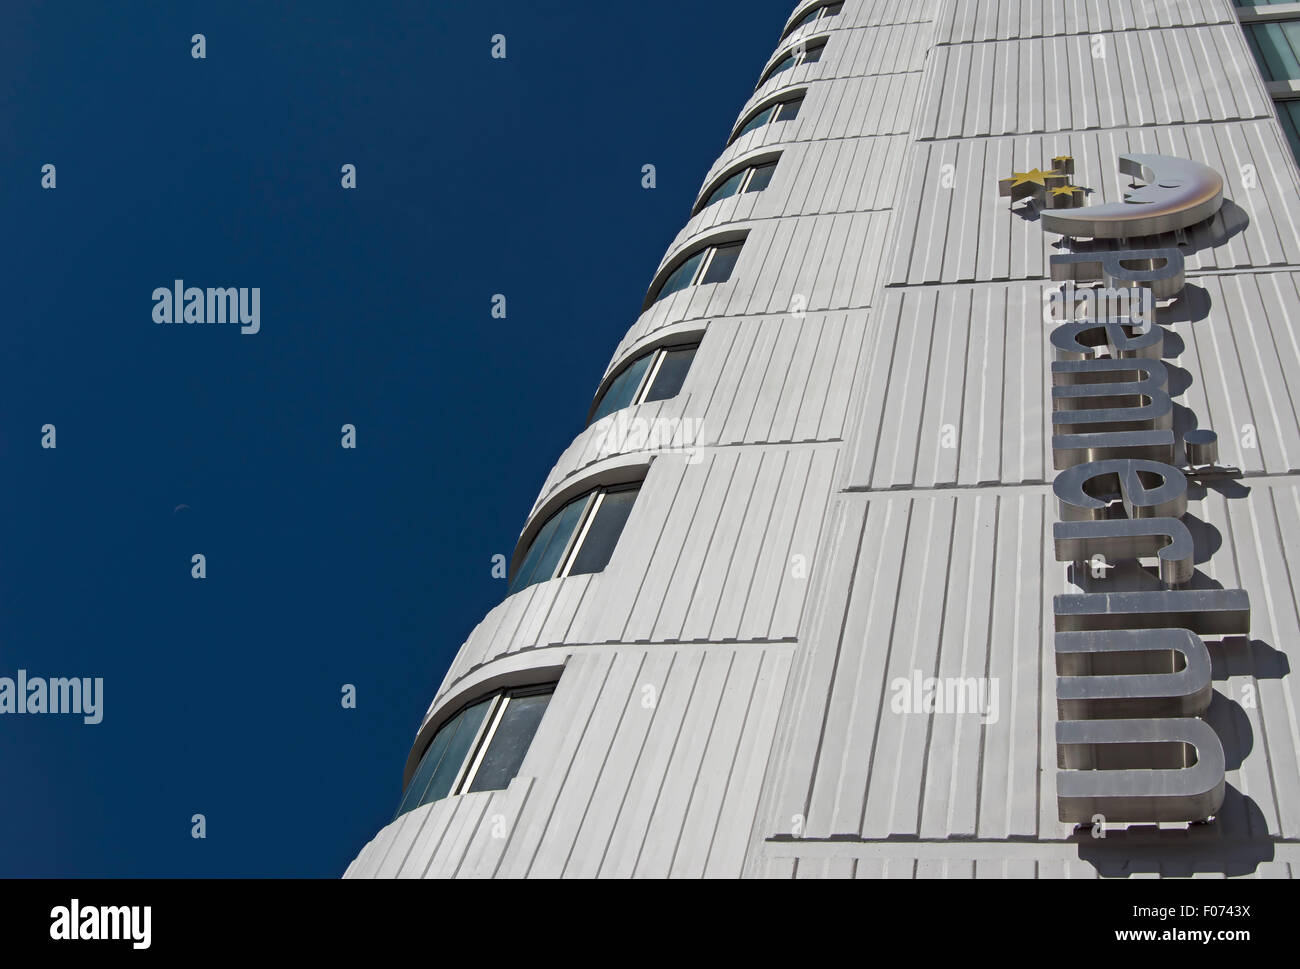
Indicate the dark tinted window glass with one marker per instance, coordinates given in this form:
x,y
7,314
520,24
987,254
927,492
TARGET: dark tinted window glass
x,y
1288,112
466,729
1276,46
784,64
758,120
1291,30
428,763
672,373
727,188
724,260
621,391
529,565
762,178
604,532
510,742
806,19
681,276
1258,54
550,543
833,9
789,110
569,517
814,54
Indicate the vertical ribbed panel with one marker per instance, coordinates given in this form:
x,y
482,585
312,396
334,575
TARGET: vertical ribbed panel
x,y
705,559
969,234
629,787
967,21
1073,83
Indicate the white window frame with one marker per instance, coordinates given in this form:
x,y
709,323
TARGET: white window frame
x,y
464,771
648,378
487,730
707,261
1278,91
460,779
821,15
1286,90
594,499
782,105
775,116
1271,11
744,182
660,353
702,269
802,50
579,539
482,742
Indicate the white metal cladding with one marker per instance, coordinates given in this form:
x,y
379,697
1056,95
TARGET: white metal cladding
x,y
833,260
882,13
769,751
801,184
769,379
980,20
893,50
860,108
970,366
611,786
704,558
882,104
983,558
968,234
1011,859
1181,75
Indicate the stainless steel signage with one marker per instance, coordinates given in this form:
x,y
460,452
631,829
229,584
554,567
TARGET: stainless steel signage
x,y
1133,672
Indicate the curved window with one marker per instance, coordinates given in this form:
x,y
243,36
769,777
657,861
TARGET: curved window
x,y
824,12
1288,112
1275,42
656,375
779,111
578,539
752,178
480,748
712,264
1276,45
800,54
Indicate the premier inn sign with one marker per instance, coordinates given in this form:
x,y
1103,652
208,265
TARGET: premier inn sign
x,y
1133,671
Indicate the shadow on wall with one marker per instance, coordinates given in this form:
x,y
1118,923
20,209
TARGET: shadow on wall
x,y
1201,848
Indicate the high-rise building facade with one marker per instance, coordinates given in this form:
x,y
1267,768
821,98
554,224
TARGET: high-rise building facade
x,y
838,580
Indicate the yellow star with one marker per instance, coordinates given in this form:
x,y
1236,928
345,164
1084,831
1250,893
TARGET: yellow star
x,y
1065,197
1024,185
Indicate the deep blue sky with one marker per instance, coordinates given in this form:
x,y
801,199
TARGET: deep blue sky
x,y
325,566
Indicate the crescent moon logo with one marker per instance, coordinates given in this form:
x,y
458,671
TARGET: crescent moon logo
x,y
1179,193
